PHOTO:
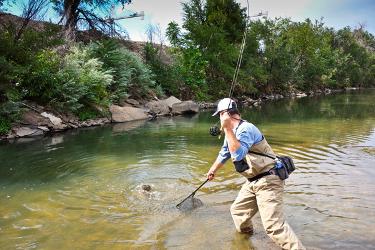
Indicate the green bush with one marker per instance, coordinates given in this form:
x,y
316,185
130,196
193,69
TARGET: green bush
x,y
130,75
4,126
86,114
40,82
84,83
9,111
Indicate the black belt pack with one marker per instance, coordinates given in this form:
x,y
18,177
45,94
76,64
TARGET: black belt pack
x,y
284,166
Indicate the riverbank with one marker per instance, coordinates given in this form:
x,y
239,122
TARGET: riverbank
x,y
39,121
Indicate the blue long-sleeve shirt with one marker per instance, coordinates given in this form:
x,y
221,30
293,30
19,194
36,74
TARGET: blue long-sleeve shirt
x,y
247,134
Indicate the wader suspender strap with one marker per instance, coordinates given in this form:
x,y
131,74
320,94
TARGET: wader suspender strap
x,y
262,154
262,174
265,173
256,153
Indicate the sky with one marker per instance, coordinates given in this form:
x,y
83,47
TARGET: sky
x,y
335,13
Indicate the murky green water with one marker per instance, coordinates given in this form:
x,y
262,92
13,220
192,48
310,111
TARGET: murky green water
x,y
81,189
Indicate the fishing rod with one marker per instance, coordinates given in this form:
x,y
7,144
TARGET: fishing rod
x,y
215,130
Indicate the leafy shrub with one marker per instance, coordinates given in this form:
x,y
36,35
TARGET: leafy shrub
x,y
130,75
85,81
42,78
4,126
9,111
86,114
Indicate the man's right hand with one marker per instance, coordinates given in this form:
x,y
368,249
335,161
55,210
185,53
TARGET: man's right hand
x,y
210,175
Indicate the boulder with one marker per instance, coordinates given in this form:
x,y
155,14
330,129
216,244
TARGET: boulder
x,y
158,107
27,131
301,94
279,96
43,128
207,105
133,102
57,123
185,107
171,100
125,114
32,117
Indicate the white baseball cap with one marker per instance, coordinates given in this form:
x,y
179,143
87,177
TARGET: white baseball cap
x,y
225,104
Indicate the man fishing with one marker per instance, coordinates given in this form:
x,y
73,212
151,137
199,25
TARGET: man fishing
x,y
263,189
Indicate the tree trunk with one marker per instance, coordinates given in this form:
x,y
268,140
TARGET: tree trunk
x,y
71,17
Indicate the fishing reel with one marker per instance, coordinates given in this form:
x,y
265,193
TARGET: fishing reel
x,y
215,130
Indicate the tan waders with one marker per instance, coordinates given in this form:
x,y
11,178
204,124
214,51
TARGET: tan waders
x,y
266,196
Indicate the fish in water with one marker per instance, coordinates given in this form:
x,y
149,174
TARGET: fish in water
x,y
146,188
190,204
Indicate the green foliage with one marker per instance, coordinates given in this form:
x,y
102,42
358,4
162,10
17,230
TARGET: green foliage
x,y
9,111
86,114
40,81
167,78
214,29
130,75
192,69
280,55
4,126
85,82
18,58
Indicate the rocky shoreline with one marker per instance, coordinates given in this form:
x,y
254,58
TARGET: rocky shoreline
x,y
39,121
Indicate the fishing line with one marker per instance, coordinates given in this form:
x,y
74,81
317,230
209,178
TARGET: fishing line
x,y
239,60
215,130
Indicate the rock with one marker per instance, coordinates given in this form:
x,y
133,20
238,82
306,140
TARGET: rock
x,y
158,107
57,123
32,117
207,105
73,125
257,103
300,95
133,102
10,136
185,107
59,127
125,114
248,102
278,96
171,100
43,128
26,131
55,120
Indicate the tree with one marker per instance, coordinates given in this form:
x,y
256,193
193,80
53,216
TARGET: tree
x,y
215,28
85,13
31,9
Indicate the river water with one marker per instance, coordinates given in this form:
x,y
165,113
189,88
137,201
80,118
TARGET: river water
x,y
82,189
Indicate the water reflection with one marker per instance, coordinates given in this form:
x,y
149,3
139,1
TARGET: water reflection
x,y
81,189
